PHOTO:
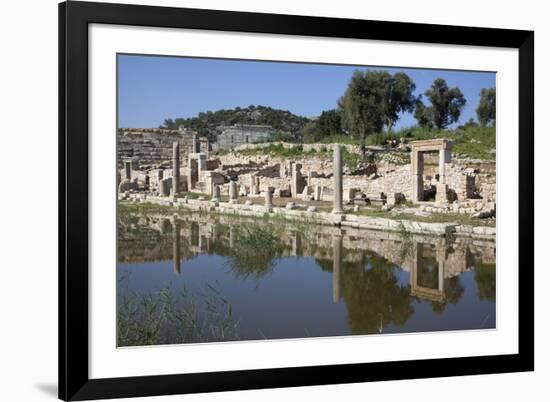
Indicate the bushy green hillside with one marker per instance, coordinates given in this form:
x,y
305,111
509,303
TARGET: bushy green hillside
x,y
207,124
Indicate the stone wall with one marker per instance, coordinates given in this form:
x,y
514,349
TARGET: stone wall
x,y
396,181
151,147
351,148
240,134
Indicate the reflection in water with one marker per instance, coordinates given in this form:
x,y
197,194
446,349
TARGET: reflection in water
x,y
336,267
176,241
275,279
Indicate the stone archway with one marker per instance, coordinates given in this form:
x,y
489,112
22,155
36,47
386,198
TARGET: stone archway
x,y
418,148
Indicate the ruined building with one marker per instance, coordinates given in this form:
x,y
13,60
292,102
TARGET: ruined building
x,y
240,134
169,162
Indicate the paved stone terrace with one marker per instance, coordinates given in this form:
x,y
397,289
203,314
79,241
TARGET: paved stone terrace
x,y
294,211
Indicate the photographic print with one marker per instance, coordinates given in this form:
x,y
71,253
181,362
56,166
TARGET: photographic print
x,y
265,200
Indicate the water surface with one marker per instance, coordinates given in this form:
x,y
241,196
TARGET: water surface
x,y
201,278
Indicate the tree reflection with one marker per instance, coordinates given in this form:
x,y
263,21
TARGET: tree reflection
x,y
485,277
374,297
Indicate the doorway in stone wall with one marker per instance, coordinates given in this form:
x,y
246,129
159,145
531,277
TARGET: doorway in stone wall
x,y
419,149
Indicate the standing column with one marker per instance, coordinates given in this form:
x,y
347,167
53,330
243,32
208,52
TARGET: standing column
x,y
175,168
128,170
269,200
194,144
232,192
441,187
417,163
442,166
337,180
216,193
253,189
336,267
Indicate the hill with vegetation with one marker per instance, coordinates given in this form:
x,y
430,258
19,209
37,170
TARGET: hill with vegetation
x,y
208,124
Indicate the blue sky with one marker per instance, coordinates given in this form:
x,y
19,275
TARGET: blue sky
x,y
154,88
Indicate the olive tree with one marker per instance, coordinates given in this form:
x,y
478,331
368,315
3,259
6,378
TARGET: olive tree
x,y
486,110
446,105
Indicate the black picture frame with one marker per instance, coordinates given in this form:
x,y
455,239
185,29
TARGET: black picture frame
x,y
74,18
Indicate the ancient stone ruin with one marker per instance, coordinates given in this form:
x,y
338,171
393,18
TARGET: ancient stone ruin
x,y
177,163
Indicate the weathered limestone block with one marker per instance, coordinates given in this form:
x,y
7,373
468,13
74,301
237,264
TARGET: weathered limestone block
x,y
349,194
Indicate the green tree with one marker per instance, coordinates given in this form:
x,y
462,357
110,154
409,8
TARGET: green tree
x,y
400,98
374,99
446,105
422,114
486,110
329,123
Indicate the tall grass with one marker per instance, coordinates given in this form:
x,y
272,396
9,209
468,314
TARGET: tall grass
x,y
165,317
255,250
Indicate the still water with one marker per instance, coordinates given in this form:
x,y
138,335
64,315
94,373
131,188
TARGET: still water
x,y
203,278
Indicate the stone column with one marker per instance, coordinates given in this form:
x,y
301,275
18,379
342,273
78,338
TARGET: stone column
x,y
176,168
128,170
192,174
232,192
269,200
442,166
338,185
253,188
317,193
441,187
296,182
417,162
336,267
216,193
176,247
159,175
